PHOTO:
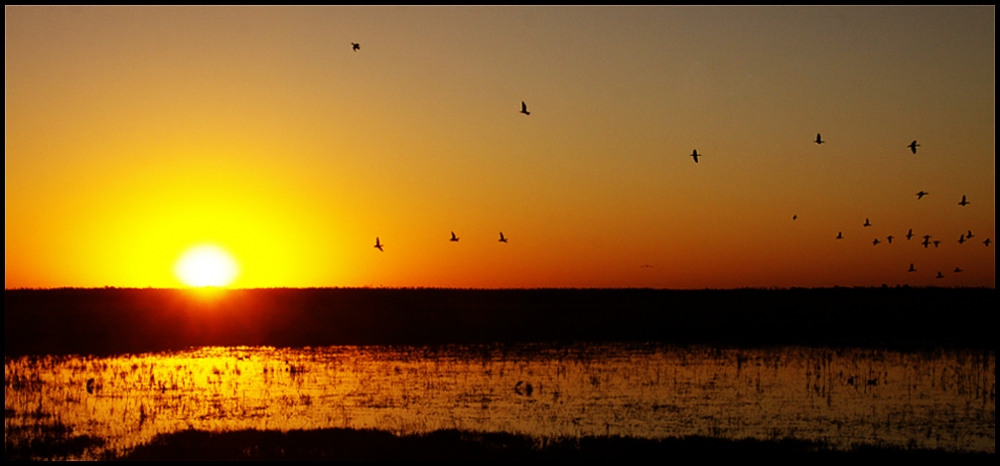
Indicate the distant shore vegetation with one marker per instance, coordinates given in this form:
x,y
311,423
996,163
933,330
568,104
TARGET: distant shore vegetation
x,y
130,320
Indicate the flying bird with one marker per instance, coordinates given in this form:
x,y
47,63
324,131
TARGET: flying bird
x,y
378,245
940,275
867,223
961,239
968,235
695,155
987,242
926,243
911,268
524,108
964,202
913,146
453,237
957,270
840,235
921,194
890,238
819,139
502,239
909,234
875,242
937,242
795,217
355,46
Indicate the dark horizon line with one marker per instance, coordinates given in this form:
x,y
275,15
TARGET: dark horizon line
x,y
542,288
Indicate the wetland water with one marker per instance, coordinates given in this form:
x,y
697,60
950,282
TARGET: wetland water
x,y
844,397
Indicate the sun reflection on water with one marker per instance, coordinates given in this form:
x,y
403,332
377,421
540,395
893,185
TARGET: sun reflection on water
x,y
944,399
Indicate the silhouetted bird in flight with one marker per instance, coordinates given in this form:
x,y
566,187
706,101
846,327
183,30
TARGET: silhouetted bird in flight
x,y
695,155
875,242
502,239
819,139
926,243
987,242
940,275
961,239
453,237
964,202
378,245
355,46
524,108
840,235
794,217
913,146
867,223
968,235
911,268
957,270
909,234
921,194
890,237
937,242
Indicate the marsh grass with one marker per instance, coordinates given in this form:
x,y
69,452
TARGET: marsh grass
x,y
373,445
45,441
843,398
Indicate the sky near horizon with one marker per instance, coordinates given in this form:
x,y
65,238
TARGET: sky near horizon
x,y
133,134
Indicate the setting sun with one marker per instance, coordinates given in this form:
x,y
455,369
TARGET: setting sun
x,y
206,266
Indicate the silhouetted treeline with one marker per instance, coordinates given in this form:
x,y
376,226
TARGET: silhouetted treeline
x,y
109,321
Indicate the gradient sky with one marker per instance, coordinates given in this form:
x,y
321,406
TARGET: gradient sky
x,y
135,133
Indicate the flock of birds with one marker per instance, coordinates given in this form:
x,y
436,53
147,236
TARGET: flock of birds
x,y
503,239
454,239
920,195
840,235
909,235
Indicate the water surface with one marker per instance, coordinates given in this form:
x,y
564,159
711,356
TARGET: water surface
x,y
846,397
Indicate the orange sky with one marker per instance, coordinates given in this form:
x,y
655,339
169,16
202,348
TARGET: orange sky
x,y
134,134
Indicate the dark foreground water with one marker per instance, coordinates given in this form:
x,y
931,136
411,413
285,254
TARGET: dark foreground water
x,y
944,399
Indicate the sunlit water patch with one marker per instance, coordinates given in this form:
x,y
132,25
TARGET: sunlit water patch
x,y
944,399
